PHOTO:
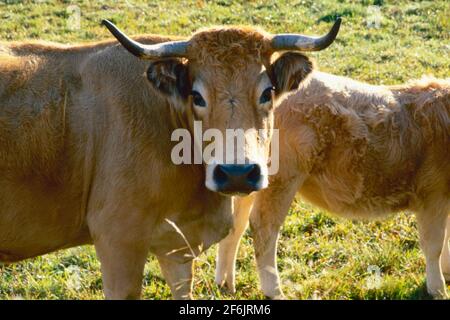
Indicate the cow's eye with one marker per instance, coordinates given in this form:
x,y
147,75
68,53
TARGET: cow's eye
x,y
197,99
266,96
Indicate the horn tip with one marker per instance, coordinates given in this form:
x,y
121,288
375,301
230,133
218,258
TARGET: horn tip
x,y
128,43
336,26
331,36
105,22
338,22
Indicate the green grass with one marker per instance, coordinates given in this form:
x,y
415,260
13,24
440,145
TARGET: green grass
x,y
320,257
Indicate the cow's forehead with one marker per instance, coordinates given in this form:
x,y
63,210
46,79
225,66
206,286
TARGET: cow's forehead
x,y
233,77
228,45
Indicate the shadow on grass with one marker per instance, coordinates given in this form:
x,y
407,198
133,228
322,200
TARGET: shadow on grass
x,y
420,293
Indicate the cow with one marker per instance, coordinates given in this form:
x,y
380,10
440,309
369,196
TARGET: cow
x,y
86,140
359,151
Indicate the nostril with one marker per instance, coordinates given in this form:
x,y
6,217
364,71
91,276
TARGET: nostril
x,y
254,175
220,177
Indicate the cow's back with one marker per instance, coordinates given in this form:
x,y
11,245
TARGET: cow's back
x,y
39,87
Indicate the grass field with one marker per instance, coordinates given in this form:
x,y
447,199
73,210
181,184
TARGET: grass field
x,y
320,257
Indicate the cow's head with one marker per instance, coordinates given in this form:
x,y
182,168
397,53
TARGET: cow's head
x,y
228,78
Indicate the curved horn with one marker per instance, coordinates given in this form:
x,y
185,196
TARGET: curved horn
x,y
152,51
304,43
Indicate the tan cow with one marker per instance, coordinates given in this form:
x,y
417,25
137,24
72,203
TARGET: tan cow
x,y
359,151
85,144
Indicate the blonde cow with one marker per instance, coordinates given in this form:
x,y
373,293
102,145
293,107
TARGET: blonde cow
x,y
362,152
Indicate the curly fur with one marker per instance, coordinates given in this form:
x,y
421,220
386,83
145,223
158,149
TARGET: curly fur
x,y
233,45
373,145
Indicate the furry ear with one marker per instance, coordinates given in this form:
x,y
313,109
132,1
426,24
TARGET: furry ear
x,y
289,70
170,76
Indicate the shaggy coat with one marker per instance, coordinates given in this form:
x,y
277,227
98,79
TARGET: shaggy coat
x,y
362,152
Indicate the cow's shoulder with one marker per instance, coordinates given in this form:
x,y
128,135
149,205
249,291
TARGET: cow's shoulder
x,y
115,80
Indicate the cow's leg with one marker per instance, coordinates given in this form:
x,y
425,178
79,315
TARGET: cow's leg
x,y
228,247
445,259
432,224
269,211
120,236
178,277
122,266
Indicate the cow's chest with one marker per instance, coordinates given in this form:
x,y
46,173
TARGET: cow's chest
x,y
186,217
184,234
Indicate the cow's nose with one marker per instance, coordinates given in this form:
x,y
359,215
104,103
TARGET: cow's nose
x,y
233,178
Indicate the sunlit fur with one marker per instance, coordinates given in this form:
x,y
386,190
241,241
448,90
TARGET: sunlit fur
x,y
362,152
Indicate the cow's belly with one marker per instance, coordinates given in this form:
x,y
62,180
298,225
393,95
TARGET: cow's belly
x,y
36,220
349,204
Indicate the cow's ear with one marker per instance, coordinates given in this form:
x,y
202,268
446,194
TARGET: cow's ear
x,y
170,77
289,70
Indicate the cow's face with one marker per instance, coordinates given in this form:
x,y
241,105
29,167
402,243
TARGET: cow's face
x,y
236,98
237,102
227,79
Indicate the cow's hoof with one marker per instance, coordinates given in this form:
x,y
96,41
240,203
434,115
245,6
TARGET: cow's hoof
x,y
438,295
187,296
276,296
279,297
226,288
272,291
